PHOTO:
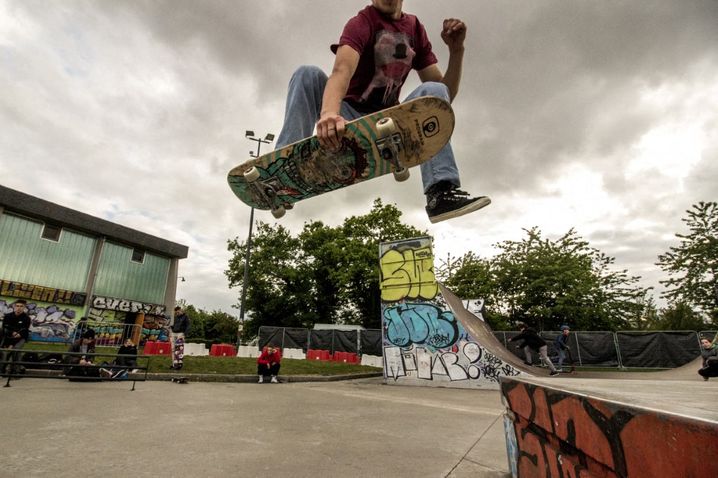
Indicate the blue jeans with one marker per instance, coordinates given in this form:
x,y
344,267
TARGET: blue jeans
x,y
561,357
304,103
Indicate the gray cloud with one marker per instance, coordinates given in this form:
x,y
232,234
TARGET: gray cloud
x,y
135,111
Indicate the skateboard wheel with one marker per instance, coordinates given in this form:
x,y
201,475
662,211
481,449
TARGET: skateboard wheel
x,y
279,212
251,175
401,174
385,127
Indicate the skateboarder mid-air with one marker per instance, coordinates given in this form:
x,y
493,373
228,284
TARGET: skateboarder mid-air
x,y
376,52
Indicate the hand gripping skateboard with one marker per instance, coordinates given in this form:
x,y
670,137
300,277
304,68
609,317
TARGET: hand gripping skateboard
x,y
391,140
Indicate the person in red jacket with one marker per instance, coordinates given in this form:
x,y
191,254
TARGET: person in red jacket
x,y
268,363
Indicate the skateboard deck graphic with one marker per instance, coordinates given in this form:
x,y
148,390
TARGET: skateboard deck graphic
x,y
391,140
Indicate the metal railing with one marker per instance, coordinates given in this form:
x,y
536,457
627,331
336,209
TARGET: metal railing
x,y
13,365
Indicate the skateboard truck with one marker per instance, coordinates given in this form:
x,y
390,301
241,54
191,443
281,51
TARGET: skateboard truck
x,y
252,176
389,144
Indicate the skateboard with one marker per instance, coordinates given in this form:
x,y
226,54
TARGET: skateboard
x,y
180,380
178,350
391,140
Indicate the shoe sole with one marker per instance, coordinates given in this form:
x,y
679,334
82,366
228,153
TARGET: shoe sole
x,y
474,206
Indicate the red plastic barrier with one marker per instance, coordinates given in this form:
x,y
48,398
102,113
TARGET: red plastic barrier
x,y
150,348
316,354
223,350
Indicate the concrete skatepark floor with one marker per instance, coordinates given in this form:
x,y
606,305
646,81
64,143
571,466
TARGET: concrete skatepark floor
x,y
354,428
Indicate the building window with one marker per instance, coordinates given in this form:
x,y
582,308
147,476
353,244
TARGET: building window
x,y
138,255
51,233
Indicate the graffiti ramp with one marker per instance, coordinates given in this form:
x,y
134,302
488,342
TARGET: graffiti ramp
x,y
482,333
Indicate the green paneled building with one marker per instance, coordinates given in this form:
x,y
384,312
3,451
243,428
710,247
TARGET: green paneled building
x,y
69,265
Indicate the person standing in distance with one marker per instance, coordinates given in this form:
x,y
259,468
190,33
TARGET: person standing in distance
x,y
15,333
180,327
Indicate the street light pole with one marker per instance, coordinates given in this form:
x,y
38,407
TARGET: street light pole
x,y
267,139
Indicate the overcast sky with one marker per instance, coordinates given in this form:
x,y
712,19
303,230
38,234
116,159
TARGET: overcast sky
x,y
599,115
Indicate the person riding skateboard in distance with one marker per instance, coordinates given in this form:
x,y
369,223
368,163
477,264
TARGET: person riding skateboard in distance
x,y
532,341
561,344
377,50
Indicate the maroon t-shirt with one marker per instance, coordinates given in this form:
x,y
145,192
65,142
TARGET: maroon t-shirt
x,y
388,50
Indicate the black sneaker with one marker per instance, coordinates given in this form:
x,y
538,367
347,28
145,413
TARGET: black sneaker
x,y
445,201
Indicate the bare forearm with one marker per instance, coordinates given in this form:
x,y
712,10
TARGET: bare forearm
x,y
452,77
334,92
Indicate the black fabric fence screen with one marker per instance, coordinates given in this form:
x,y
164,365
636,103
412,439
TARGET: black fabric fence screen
x,y
665,349
370,342
345,341
595,348
270,336
321,340
295,338
657,349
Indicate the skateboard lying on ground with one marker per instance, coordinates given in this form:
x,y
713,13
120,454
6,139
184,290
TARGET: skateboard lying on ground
x,y
180,379
391,140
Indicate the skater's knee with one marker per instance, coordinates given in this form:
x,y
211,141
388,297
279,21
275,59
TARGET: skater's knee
x,y
434,88
309,75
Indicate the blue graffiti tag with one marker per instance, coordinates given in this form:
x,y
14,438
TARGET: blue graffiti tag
x,y
421,324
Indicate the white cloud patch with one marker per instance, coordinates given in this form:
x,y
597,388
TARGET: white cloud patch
x,y
599,116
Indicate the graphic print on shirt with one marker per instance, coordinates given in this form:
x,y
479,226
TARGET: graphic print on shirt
x,y
393,57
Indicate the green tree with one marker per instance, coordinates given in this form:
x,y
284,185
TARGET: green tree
x,y
693,264
471,277
645,314
680,316
323,274
220,327
215,326
358,268
280,287
548,283
197,321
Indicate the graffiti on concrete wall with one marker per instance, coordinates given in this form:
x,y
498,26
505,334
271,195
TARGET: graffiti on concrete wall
x,y
426,342
408,273
556,433
50,322
422,338
421,323
39,293
108,323
122,305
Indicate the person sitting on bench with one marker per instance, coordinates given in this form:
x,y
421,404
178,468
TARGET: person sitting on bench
x,y
82,366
